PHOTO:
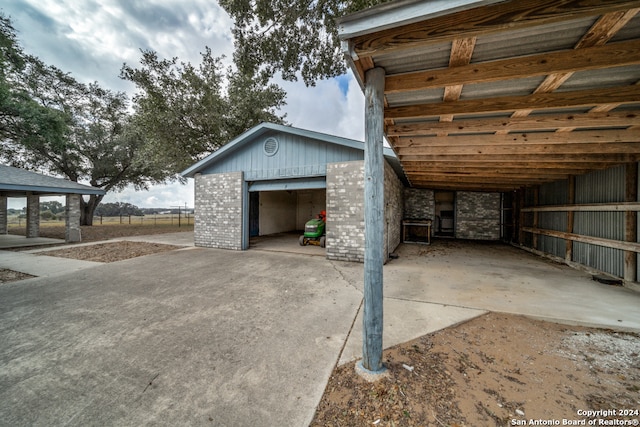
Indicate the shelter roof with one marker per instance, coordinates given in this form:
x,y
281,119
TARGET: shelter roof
x,y
17,182
494,95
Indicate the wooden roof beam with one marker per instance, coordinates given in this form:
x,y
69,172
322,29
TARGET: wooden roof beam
x,y
581,98
528,123
539,160
599,34
518,150
518,165
569,61
443,185
522,139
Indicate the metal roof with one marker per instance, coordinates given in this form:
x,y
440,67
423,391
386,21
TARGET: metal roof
x,y
501,95
15,182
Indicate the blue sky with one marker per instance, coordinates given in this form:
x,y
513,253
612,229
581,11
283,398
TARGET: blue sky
x,y
91,39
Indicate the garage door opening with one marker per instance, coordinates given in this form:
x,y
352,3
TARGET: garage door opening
x,y
277,218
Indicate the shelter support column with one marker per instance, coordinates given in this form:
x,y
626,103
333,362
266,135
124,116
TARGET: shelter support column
x,y
373,220
3,215
630,220
72,219
33,215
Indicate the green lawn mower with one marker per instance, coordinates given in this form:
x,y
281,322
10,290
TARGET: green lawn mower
x,y
314,231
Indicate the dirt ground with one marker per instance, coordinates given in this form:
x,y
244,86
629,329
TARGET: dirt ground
x,y
111,251
497,369
7,276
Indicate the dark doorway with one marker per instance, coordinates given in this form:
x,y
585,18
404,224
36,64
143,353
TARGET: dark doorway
x,y
445,213
254,214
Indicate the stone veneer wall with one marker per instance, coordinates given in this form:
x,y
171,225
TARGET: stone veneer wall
x,y
345,211
477,215
33,215
73,232
218,210
419,204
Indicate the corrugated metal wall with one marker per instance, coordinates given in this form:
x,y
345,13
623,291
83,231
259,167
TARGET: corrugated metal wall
x,y
555,193
604,186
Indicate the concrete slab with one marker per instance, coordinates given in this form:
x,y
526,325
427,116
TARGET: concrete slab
x,y
12,241
205,336
42,265
285,242
195,337
497,277
404,321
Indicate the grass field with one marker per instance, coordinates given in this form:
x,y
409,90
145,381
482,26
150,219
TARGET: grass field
x,y
106,228
159,219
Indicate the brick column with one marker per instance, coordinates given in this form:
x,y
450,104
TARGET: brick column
x,y
218,210
33,215
72,233
3,215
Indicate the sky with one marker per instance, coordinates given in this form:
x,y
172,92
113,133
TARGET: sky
x,y
92,39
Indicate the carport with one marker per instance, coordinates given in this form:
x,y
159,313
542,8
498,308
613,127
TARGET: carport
x,y
15,182
534,100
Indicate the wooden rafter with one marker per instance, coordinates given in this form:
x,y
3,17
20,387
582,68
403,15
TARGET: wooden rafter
x,y
568,61
542,101
538,122
461,53
522,140
599,34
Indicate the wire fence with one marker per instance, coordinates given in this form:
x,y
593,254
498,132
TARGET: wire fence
x,y
181,219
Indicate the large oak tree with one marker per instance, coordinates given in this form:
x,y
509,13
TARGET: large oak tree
x,y
51,122
292,37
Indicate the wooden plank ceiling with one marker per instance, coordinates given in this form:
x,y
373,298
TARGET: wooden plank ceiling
x,y
511,94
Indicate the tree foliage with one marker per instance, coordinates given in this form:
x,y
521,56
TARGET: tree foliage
x,y
50,121
290,36
188,111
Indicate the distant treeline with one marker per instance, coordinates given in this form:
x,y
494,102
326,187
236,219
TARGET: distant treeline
x,y
55,210
118,208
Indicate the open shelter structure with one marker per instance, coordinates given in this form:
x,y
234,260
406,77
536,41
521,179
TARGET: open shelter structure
x,y
534,100
15,182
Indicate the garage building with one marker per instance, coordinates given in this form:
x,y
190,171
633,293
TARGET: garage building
x,y
274,178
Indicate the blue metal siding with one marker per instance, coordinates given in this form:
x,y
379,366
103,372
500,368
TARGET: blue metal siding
x,y
296,157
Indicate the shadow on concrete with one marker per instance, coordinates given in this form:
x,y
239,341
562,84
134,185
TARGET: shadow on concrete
x,y
10,241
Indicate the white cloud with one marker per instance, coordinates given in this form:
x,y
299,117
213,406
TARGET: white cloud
x,y
326,108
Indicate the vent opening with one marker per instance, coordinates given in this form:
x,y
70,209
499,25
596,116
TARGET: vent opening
x,y
270,146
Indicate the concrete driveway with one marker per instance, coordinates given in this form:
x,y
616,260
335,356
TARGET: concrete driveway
x,y
190,337
212,337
